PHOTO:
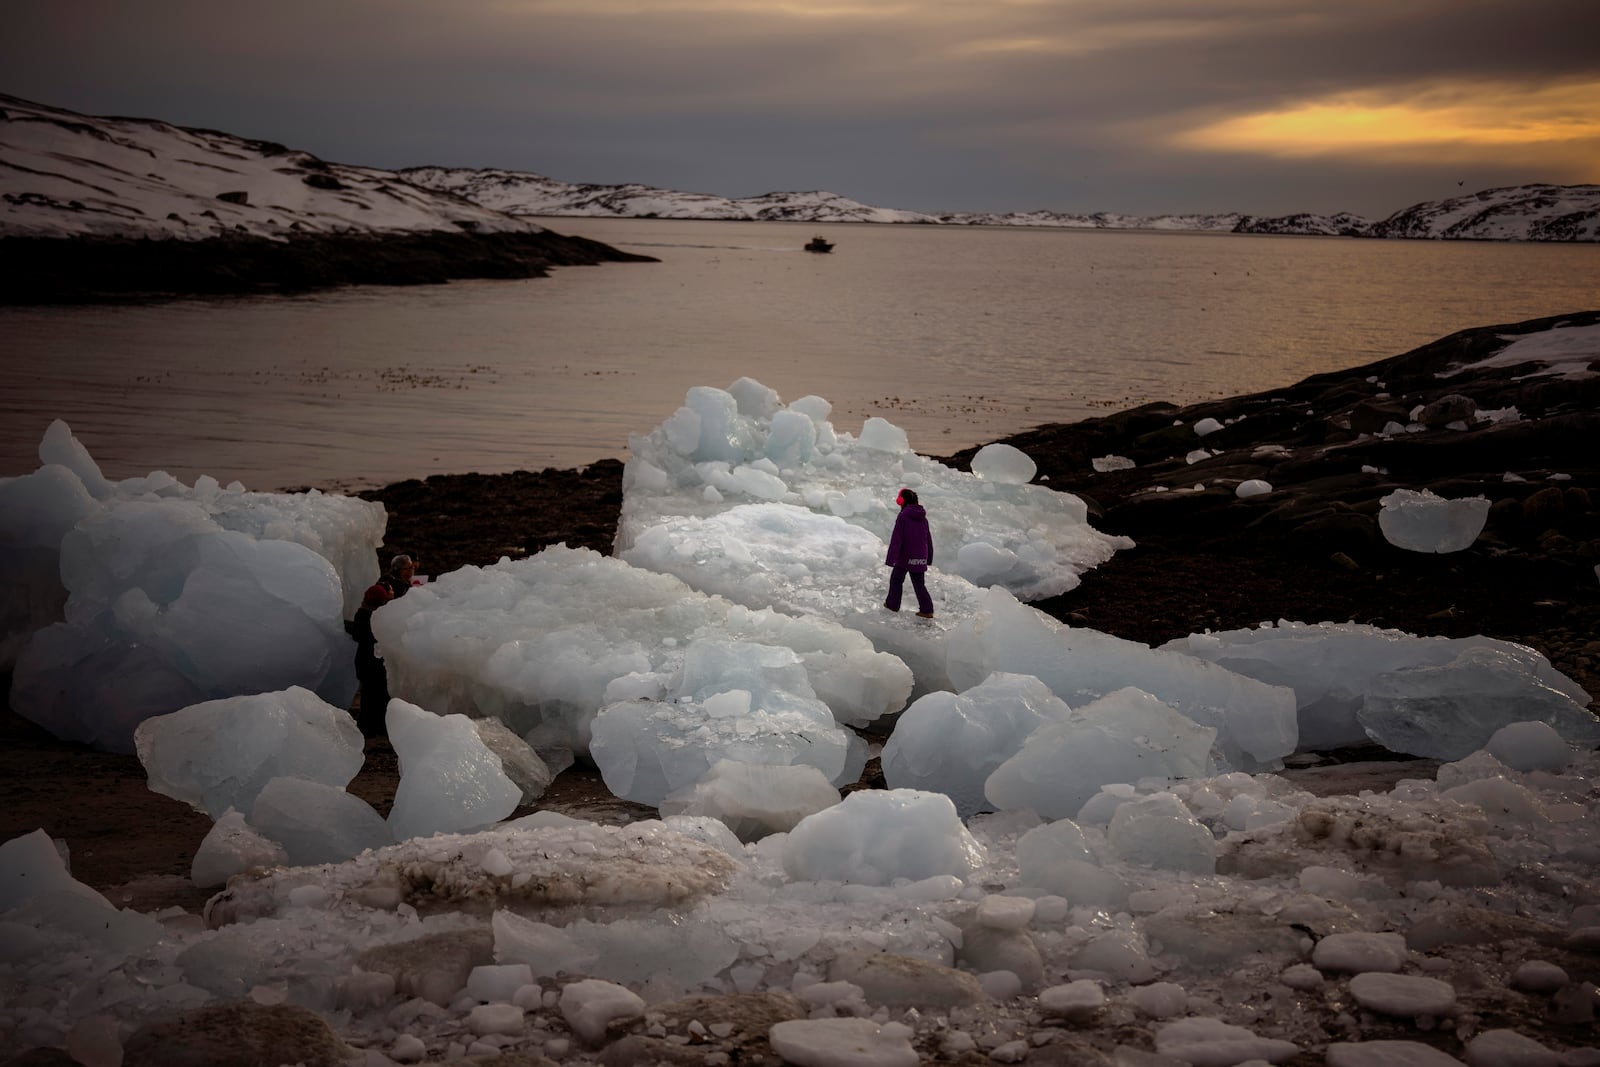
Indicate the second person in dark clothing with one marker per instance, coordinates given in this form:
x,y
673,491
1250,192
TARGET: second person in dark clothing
x,y
398,580
370,672
910,552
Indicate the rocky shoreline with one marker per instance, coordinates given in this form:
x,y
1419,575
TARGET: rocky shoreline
x,y
40,270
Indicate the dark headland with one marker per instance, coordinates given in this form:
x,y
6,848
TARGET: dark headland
x,y
45,270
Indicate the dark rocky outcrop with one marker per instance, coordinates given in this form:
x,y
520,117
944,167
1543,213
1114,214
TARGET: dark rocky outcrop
x,y
36,270
448,521
1311,549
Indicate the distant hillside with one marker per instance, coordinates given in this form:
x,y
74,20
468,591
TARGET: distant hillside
x,y
1305,224
95,207
64,174
521,194
525,195
1520,213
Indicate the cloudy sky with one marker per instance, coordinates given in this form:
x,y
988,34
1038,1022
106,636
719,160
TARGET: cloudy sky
x,y
1136,106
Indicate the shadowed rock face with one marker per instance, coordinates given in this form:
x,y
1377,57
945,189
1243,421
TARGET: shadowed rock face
x,y
36,270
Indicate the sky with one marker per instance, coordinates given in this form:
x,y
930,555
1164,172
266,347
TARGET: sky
x,y
1135,106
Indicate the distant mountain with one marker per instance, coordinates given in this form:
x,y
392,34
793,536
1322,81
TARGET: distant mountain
x,y
1519,213
92,208
1343,224
1100,220
524,195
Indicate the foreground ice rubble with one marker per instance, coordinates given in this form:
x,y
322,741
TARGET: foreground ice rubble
x,y
1162,911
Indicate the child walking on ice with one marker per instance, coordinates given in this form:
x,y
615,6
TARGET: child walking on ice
x,y
910,552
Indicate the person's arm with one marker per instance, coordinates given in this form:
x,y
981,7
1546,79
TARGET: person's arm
x,y
895,540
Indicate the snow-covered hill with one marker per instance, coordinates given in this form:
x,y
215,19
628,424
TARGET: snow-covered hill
x,y
1343,224
523,194
519,193
1517,213
63,174
1100,220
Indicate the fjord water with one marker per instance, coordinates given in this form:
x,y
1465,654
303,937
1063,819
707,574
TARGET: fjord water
x,y
959,335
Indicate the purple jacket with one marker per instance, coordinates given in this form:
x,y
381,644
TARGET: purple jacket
x,y
911,544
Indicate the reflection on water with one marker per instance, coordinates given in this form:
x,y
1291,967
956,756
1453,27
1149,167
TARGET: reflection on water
x,y
958,335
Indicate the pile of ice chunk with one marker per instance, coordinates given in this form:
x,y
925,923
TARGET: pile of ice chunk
x,y
742,445
754,799
1125,737
732,701
878,836
951,743
1427,696
271,771
804,563
220,754
449,780
1254,722
136,598
544,643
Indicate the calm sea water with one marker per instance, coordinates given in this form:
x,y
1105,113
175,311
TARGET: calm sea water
x,y
958,335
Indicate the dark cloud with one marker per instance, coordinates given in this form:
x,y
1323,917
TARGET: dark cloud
x,y
982,106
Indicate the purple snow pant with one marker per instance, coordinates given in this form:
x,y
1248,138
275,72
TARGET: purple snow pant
x,y
897,578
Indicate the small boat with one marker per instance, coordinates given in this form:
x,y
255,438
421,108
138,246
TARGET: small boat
x,y
817,244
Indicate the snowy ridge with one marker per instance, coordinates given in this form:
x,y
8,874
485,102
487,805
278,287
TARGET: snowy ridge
x,y
1100,220
1517,213
1342,224
63,174
519,193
